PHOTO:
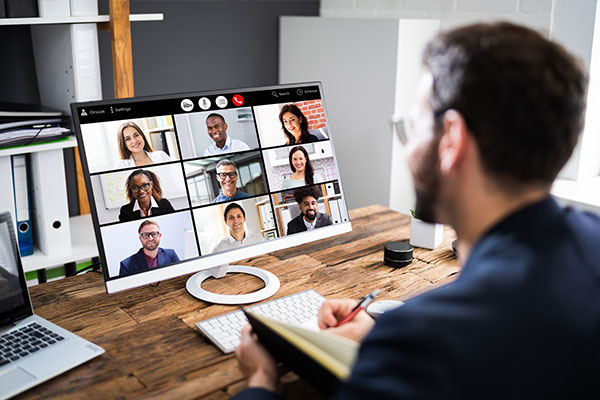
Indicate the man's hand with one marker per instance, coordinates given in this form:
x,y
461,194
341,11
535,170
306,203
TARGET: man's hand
x,y
255,362
334,310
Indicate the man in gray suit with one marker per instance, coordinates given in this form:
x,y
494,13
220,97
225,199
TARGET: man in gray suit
x,y
309,218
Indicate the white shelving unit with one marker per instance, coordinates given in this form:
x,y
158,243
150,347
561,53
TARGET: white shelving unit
x,y
68,70
92,19
83,247
66,143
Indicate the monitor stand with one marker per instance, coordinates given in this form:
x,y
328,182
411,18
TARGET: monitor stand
x,y
194,285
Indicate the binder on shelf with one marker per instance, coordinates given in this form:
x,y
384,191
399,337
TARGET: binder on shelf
x,y
7,200
329,189
84,7
54,8
335,211
22,204
52,232
343,210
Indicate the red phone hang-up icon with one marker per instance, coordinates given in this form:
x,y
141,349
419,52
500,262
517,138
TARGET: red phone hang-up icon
x,y
237,99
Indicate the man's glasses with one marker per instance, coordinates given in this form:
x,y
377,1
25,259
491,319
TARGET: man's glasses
x,y
146,235
223,175
144,187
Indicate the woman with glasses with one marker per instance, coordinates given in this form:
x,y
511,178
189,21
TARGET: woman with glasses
x,y
303,172
134,148
145,196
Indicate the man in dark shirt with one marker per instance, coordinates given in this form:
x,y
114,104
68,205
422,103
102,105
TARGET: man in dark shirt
x,y
150,255
498,113
309,218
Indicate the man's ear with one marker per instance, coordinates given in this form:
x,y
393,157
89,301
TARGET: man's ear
x,y
454,141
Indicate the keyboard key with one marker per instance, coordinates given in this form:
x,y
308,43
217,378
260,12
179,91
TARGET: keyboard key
x,y
299,308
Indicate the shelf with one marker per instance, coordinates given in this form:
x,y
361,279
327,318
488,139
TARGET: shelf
x,y
83,247
92,19
65,143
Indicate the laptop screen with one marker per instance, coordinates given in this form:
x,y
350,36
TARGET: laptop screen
x,y
14,300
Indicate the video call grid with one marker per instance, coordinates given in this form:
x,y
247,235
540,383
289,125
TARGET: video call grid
x,y
270,193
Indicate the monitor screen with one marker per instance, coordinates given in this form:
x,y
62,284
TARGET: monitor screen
x,y
187,182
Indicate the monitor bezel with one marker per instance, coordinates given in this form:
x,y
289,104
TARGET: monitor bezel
x,y
169,271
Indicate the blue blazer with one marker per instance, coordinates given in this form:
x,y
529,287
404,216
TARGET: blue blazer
x,y
522,321
137,262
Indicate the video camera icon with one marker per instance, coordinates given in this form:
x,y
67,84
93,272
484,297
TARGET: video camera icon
x,y
187,105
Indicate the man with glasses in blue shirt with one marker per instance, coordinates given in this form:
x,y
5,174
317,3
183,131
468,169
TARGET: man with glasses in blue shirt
x,y
227,176
150,255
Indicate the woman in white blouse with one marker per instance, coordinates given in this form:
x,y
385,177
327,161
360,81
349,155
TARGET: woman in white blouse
x,y
134,148
302,170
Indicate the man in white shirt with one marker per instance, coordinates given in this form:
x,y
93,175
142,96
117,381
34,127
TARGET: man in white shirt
x,y
235,218
217,130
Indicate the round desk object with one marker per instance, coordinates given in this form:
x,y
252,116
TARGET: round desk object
x,y
397,254
377,308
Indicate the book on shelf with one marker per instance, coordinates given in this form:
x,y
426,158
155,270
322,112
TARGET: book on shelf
x,y
18,111
321,358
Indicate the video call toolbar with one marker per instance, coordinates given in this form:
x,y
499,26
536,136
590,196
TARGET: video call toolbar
x,y
187,103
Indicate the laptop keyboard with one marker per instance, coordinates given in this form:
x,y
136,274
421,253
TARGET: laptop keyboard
x,y
29,339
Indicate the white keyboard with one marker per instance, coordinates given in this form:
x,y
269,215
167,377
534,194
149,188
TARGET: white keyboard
x,y
299,308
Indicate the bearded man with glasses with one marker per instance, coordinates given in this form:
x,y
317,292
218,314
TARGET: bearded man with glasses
x,y
150,255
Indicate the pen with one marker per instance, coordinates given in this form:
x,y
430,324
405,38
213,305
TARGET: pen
x,y
362,304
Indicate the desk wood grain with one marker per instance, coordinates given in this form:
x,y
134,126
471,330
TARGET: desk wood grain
x,y
153,349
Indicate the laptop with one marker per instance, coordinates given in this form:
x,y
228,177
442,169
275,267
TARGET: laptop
x,y
32,350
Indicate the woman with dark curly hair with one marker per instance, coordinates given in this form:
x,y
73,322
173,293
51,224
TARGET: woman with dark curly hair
x,y
145,196
295,125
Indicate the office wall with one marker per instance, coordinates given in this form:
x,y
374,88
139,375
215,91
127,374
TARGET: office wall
x,y
570,22
534,13
203,44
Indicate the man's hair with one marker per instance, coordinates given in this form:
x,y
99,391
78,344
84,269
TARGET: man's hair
x,y
521,95
230,207
216,115
225,162
304,192
147,222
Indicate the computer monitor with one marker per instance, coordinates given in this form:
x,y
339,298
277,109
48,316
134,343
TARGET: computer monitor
x,y
192,182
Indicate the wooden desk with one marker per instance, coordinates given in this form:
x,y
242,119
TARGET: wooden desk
x,y
153,349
